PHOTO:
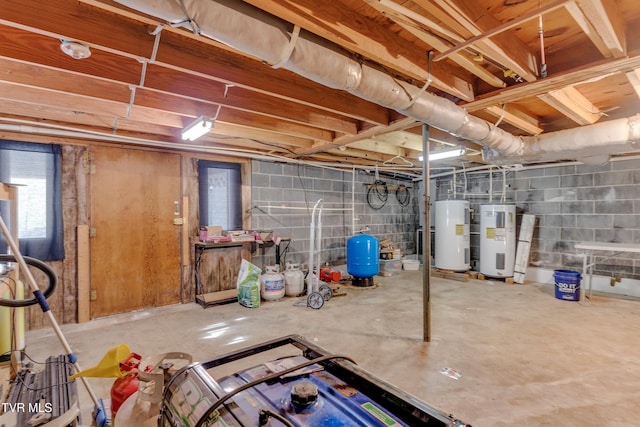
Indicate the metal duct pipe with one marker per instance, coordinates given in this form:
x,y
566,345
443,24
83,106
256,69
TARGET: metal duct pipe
x,y
253,31
592,144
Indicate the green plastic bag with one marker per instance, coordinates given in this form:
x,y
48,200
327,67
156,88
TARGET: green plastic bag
x,y
249,285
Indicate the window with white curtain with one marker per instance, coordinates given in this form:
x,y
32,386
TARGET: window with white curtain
x,y
35,170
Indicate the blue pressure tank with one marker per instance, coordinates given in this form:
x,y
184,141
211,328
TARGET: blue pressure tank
x,y
363,254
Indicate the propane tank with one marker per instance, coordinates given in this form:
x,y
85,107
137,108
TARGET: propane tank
x,y
272,283
293,280
124,387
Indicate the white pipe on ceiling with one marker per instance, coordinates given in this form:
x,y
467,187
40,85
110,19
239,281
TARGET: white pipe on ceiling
x,y
254,31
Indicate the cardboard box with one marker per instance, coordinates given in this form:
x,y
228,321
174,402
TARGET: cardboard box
x,y
209,233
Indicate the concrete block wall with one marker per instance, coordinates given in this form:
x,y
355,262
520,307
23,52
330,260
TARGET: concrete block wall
x,y
572,203
578,203
283,197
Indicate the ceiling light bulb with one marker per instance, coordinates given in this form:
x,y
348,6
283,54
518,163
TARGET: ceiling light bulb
x,y
75,50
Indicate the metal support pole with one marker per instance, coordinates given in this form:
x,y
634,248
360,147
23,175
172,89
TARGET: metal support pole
x,y
426,237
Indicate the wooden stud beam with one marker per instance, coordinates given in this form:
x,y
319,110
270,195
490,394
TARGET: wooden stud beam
x,y
602,23
517,118
439,44
572,104
372,41
472,18
634,79
124,39
557,81
501,28
84,275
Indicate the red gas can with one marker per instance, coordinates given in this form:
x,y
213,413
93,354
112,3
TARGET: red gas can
x,y
329,275
124,387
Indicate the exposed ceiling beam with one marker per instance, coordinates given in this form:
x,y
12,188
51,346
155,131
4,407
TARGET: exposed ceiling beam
x,y
502,28
508,51
372,132
372,41
601,22
557,81
570,102
379,147
634,79
517,118
120,38
435,41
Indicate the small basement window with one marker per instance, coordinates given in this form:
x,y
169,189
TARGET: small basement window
x,y
36,170
220,194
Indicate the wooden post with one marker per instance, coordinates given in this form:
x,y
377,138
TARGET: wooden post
x,y
186,238
84,276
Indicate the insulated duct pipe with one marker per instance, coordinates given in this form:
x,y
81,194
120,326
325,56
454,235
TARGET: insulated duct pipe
x,y
277,42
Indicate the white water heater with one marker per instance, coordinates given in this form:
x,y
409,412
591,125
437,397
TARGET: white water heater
x,y
452,235
497,240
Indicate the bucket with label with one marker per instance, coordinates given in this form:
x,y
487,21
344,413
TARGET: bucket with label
x,y
567,284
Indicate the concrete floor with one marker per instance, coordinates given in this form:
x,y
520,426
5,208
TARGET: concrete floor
x,y
525,357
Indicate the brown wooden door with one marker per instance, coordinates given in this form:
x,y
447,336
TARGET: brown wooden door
x,y
135,252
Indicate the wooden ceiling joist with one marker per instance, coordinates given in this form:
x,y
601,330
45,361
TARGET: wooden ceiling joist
x,y
602,23
570,102
555,82
471,20
502,28
634,79
370,40
439,44
517,118
123,38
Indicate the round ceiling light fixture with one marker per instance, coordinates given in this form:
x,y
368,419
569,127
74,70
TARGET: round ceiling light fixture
x,y
76,50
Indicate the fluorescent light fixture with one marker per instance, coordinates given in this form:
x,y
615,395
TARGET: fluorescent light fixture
x,y
444,154
195,130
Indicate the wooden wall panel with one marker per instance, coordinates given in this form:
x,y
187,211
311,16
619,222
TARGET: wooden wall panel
x,y
190,190
219,267
189,167
135,254
63,302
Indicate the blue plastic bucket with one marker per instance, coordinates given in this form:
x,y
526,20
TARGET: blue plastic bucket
x,y
567,284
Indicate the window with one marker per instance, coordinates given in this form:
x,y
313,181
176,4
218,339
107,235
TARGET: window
x,y
36,169
220,194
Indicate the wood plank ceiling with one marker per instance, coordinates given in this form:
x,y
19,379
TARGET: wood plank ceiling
x,y
144,82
